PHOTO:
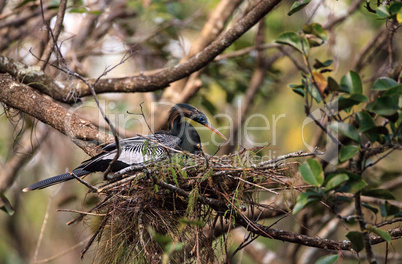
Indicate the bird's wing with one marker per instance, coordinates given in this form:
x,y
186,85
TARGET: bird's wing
x,y
135,150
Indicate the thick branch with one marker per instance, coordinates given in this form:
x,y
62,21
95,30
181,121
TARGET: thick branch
x,y
142,83
35,78
164,77
26,99
212,28
317,242
277,234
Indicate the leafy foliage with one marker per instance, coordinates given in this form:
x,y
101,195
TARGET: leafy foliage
x,y
354,116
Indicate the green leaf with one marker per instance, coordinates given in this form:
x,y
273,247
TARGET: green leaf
x,y
346,130
398,214
174,246
356,239
371,208
305,199
380,130
79,10
95,12
336,181
313,91
294,40
330,259
396,90
347,152
377,133
379,193
315,34
395,8
333,85
384,234
188,221
297,6
299,91
312,173
383,84
347,101
385,105
365,121
351,83
297,88
5,205
352,176
353,186
318,64
162,240
317,30
388,209
383,12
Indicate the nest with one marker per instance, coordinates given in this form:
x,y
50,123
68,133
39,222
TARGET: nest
x,y
161,213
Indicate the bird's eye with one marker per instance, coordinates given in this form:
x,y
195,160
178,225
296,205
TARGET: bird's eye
x,y
202,120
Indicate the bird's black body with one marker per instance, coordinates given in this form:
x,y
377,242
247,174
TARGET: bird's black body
x,y
142,150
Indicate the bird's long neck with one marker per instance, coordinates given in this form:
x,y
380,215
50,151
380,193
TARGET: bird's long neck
x,y
177,127
187,134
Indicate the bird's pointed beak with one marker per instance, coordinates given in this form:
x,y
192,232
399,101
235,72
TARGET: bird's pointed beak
x,y
208,125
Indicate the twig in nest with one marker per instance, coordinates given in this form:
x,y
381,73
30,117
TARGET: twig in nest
x,y
79,212
98,231
256,185
93,188
296,154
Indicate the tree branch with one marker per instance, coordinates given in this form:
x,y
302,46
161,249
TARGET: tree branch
x,y
55,33
166,76
25,149
35,78
24,98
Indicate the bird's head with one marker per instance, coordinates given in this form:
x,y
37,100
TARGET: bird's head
x,y
180,111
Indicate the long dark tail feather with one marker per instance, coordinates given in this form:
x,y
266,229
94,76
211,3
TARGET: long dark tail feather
x,y
56,179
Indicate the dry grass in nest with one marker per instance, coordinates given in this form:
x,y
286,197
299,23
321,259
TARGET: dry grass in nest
x,y
159,214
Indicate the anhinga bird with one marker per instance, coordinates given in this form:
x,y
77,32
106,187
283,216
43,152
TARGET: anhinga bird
x,y
142,150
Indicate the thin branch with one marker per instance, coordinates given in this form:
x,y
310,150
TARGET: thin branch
x,y
296,154
44,223
247,50
366,235
89,186
91,87
381,158
318,123
371,49
163,78
26,148
389,222
298,64
54,33
58,255
326,231
79,212
255,85
210,31
257,251
352,8
253,184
